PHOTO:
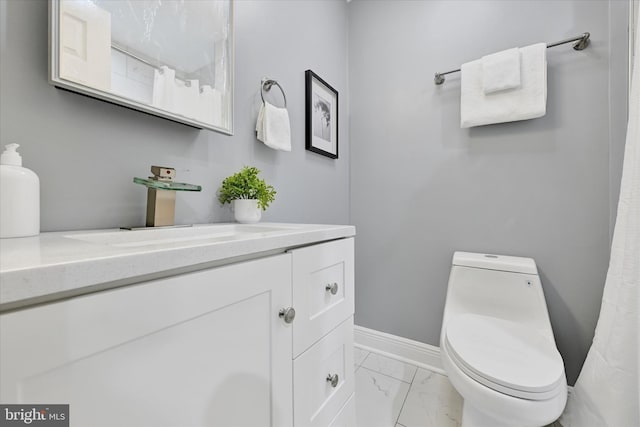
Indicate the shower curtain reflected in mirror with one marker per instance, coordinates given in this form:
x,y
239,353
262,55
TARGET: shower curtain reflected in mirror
x,y
186,97
606,392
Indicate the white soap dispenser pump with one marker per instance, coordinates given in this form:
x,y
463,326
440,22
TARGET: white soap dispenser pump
x,y
19,196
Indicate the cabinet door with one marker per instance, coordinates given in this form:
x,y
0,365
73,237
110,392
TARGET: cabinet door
x,y
199,349
323,290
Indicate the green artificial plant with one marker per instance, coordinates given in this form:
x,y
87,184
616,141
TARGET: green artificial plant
x,y
246,185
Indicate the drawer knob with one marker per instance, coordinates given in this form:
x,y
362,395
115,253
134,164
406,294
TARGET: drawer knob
x,y
332,287
287,314
333,380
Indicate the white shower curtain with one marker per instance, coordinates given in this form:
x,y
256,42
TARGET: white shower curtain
x,y
177,96
606,393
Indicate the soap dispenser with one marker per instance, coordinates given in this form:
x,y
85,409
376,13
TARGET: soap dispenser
x,y
19,196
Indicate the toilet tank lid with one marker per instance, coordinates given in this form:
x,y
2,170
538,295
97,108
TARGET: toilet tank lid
x,y
495,262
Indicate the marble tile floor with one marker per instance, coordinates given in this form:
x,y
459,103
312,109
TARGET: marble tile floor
x,y
392,393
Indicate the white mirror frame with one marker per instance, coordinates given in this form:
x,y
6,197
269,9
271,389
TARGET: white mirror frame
x,y
56,80
634,25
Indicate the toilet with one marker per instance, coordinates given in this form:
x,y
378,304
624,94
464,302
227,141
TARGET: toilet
x,y
497,345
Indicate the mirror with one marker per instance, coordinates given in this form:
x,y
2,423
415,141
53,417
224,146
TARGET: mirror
x,y
170,58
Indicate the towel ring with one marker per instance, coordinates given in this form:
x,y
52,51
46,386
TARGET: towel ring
x,y
266,86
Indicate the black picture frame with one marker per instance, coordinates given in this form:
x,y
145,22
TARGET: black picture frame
x,y
321,116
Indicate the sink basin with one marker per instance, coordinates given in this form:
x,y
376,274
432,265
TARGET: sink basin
x,y
170,236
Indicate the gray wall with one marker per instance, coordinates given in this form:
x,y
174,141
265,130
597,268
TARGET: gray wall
x,y
422,187
86,152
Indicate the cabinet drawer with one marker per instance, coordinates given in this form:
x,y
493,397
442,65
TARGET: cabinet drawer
x,y
323,290
317,401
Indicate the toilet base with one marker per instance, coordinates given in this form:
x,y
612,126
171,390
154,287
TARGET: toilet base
x,y
500,410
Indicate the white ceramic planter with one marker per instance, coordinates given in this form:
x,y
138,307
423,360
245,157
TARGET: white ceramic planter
x,y
246,211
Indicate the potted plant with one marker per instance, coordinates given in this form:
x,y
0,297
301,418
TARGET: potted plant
x,y
247,194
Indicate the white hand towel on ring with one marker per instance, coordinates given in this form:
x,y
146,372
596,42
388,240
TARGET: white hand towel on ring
x,y
273,127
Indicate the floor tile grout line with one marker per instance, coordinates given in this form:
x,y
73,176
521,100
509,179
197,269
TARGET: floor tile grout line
x,y
404,401
365,358
386,375
414,375
396,360
407,396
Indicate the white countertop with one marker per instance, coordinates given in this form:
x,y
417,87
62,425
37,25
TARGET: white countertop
x,y
57,265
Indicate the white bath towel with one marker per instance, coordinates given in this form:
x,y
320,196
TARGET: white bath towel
x,y
527,102
501,71
273,127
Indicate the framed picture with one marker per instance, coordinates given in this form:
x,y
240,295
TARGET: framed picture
x,y
321,117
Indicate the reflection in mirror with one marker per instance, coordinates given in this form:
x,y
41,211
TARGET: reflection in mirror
x,y
171,58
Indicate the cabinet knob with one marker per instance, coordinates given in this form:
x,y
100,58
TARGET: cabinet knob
x,y
333,380
332,287
287,314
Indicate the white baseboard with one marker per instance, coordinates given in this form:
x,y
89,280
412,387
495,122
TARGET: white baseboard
x,y
403,349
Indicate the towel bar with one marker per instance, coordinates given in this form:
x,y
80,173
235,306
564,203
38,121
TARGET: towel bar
x,y
581,42
266,85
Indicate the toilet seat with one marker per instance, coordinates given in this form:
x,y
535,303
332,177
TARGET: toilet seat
x,y
505,356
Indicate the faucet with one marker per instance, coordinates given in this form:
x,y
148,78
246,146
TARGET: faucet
x,y
161,195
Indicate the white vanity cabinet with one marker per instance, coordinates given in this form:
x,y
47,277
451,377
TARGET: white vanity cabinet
x,y
198,349
203,348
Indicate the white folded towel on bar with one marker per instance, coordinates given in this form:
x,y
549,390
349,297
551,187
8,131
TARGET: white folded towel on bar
x,y
501,71
526,102
273,127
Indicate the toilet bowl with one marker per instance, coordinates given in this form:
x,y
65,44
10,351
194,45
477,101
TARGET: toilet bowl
x,y
497,345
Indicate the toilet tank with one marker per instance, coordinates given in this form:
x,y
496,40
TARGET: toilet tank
x,y
496,285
